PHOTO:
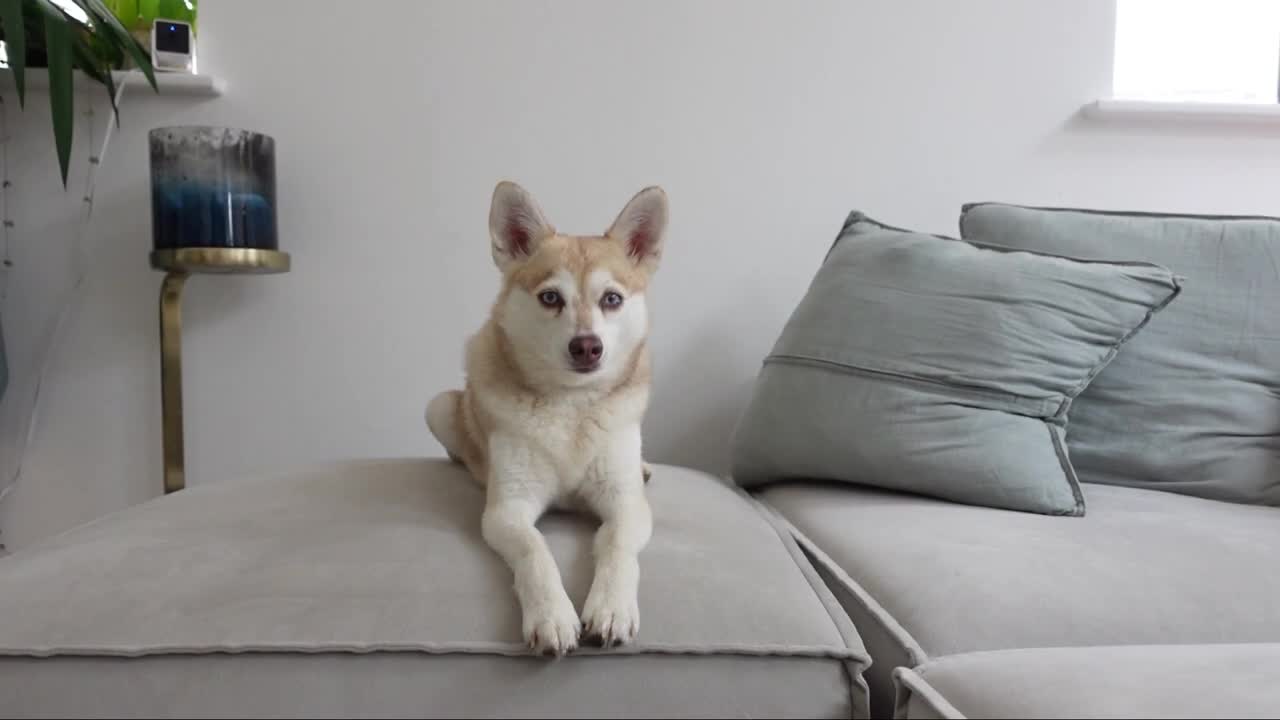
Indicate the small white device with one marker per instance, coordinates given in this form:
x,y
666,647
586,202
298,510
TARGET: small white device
x,y
173,46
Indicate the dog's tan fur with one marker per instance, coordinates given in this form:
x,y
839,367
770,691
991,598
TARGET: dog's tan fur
x,y
538,431
489,358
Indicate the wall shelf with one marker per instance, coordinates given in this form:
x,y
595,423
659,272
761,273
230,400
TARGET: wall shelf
x,y
170,84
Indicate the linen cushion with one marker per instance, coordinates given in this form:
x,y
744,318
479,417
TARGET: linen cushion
x,y
1192,405
1152,681
922,578
941,367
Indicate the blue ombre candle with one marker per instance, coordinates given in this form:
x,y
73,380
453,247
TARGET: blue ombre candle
x,y
212,187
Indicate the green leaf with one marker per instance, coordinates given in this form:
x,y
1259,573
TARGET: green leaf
x,y
108,22
15,43
57,36
95,67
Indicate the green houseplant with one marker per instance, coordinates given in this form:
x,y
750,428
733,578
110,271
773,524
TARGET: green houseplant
x,y
41,32
51,35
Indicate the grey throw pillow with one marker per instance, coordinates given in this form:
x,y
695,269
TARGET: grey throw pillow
x,y
941,367
1192,406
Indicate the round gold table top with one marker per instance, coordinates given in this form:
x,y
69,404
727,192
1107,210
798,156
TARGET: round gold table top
x,y
220,260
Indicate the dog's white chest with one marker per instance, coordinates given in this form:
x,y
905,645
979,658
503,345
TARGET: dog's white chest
x,y
572,435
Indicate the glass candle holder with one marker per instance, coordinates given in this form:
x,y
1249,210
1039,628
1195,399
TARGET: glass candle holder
x,y
212,187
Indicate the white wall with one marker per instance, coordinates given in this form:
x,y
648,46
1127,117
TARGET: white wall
x,y
766,123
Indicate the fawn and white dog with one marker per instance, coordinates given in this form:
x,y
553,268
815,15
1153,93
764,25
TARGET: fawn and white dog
x,y
557,383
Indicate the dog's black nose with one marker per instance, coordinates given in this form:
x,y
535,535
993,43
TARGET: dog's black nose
x,y
585,350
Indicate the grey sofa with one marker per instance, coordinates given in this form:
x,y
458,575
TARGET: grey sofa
x,y
1163,598
927,580
364,588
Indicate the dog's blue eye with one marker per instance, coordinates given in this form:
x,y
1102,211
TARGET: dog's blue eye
x,y
611,299
550,298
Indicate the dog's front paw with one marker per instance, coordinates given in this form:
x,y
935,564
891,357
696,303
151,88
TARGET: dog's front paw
x,y
609,618
552,628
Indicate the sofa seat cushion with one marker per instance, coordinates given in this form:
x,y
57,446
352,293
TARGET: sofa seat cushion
x,y
366,587
924,578
1151,681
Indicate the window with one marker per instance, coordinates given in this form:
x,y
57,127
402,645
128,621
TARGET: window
x,y
1219,51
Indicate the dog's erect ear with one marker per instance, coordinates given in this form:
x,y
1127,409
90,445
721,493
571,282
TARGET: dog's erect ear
x,y
516,224
641,227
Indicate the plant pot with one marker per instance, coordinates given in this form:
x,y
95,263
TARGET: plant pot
x,y
138,15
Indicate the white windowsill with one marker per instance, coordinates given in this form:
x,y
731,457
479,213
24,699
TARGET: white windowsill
x,y
1159,110
170,84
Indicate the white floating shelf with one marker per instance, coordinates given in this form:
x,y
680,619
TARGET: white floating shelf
x,y
1157,110
170,84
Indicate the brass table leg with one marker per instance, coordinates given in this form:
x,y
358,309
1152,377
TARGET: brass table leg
x,y
179,264
171,379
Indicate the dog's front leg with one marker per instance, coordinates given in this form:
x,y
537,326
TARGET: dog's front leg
x,y
518,493
611,614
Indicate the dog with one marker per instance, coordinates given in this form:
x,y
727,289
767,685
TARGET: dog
x,y
557,384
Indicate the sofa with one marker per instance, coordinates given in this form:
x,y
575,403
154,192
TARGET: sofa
x,y
939,530
1161,596
364,589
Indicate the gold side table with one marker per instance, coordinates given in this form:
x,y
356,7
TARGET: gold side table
x,y
179,264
